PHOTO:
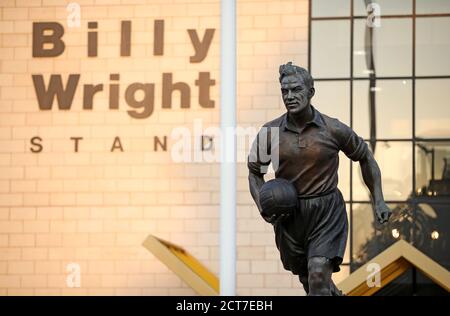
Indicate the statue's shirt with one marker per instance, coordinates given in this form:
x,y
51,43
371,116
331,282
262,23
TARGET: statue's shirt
x,y
308,157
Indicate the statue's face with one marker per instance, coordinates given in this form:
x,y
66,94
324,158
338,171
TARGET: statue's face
x,y
295,93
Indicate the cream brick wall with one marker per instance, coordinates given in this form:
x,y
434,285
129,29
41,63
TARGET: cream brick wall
x,y
95,207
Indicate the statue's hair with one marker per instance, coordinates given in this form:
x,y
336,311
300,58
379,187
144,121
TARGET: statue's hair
x,y
290,69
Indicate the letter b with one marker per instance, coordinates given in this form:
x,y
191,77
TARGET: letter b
x,y
40,39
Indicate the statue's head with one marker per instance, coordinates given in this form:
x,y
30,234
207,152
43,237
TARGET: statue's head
x,y
297,87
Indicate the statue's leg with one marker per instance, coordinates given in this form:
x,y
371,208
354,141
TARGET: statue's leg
x,y
319,276
304,281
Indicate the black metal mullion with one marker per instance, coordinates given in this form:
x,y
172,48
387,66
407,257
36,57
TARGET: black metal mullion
x,y
431,15
387,201
432,77
391,139
309,35
351,125
386,16
414,196
424,140
382,78
419,139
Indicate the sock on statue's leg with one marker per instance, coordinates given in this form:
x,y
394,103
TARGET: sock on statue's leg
x,y
335,291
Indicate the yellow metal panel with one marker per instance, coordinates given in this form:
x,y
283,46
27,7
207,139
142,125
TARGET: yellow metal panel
x,y
200,269
184,265
394,261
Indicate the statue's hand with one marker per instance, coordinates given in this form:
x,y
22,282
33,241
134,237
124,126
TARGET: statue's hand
x,y
383,212
274,219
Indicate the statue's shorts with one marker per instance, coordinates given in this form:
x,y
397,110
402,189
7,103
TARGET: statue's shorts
x,y
318,228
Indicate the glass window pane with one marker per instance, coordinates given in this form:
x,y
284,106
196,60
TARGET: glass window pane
x,y
432,6
395,162
392,48
333,99
433,108
433,169
370,238
386,7
432,230
433,46
330,49
321,8
393,108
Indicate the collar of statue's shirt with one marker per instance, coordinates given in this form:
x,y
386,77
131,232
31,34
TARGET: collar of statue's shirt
x,y
317,120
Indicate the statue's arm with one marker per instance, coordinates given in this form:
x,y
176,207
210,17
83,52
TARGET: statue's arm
x,y
255,182
372,178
